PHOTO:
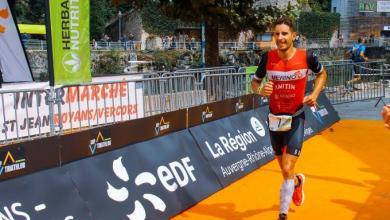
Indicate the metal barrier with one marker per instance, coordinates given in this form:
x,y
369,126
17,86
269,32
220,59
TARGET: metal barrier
x,y
200,73
111,102
33,113
369,82
38,112
25,114
219,87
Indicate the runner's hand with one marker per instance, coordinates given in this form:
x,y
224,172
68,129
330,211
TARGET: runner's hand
x,y
267,89
310,100
386,115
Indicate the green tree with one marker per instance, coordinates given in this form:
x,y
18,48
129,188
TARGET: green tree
x,y
155,22
100,14
230,15
33,12
326,23
320,5
29,11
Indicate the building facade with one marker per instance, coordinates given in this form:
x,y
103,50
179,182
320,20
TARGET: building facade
x,y
363,18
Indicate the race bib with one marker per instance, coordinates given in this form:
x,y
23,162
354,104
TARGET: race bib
x,y
279,122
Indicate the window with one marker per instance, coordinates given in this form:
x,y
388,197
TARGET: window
x,y
267,37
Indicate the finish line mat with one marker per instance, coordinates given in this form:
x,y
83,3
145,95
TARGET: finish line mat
x,y
347,172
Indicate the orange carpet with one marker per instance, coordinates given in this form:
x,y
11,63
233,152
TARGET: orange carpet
x,y
347,172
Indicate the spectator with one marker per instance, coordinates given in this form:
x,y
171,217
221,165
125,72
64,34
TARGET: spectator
x,y
193,42
357,55
187,43
131,39
94,44
341,40
164,42
173,42
124,41
372,39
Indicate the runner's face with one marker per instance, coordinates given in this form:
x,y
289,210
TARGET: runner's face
x,y
284,37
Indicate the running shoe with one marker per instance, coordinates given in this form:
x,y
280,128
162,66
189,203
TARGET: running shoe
x,y
282,216
298,195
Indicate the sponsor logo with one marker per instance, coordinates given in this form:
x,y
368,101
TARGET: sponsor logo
x,y
206,114
239,105
319,112
161,126
4,14
71,36
71,62
102,140
14,211
288,75
257,126
12,160
237,141
175,175
308,131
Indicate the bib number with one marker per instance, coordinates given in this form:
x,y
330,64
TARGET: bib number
x,y
279,122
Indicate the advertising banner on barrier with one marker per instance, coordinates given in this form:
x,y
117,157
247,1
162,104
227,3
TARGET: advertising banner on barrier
x,y
216,110
234,146
320,117
49,194
155,179
102,139
69,36
26,157
27,113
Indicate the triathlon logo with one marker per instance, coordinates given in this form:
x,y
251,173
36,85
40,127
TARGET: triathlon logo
x,y
4,14
161,126
122,194
12,161
102,140
71,62
239,105
257,126
206,114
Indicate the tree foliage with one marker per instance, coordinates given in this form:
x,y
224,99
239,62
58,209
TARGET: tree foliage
x,y
100,13
30,11
33,12
320,5
155,22
230,15
325,24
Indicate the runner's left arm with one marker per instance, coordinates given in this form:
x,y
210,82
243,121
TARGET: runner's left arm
x,y
320,80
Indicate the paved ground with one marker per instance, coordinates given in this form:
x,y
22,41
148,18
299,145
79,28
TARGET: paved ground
x,y
361,109
347,178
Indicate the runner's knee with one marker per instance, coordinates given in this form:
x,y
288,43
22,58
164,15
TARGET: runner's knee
x,y
287,171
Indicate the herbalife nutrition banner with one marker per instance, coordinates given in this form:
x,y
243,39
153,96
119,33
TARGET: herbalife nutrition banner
x,y
69,35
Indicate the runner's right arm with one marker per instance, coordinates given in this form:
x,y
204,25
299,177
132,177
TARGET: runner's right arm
x,y
259,76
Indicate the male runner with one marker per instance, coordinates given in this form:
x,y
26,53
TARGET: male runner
x,y
287,68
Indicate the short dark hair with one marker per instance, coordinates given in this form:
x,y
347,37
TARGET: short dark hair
x,y
360,40
285,20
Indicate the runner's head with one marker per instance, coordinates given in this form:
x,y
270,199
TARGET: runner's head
x,y
284,33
